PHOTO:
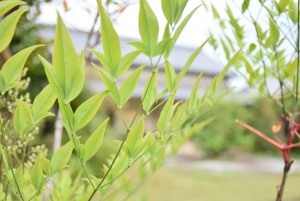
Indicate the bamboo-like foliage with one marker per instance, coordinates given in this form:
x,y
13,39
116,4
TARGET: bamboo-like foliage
x,y
141,149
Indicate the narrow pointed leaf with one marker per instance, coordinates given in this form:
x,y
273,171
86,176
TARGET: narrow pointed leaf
x,y
61,157
135,137
165,115
87,110
245,5
148,26
43,101
169,8
126,62
110,40
12,68
129,85
102,59
150,92
46,165
67,114
5,6
193,96
37,176
110,86
94,142
8,26
22,117
69,70
52,78
170,75
188,63
180,9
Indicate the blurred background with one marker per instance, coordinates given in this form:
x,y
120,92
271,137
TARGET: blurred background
x,y
222,162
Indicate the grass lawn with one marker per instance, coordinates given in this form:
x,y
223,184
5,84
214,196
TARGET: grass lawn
x,y
178,184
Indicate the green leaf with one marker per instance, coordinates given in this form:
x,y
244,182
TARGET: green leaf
x,y
169,8
245,5
178,32
165,115
22,118
126,62
274,34
8,26
134,138
161,47
46,165
4,158
52,78
150,92
43,102
61,157
293,11
170,76
180,9
67,114
148,26
129,85
12,68
140,46
37,176
291,68
110,85
69,70
110,41
188,63
87,110
5,6
94,142
193,96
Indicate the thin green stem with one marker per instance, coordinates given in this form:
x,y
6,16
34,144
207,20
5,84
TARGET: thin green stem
x,y
123,119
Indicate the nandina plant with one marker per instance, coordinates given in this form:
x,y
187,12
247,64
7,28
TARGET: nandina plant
x,y
268,32
141,151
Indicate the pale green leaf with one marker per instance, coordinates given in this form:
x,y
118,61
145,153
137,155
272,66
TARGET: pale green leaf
x,y
148,26
140,46
69,70
245,5
293,14
110,85
179,10
46,165
94,142
22,118
150,92
52,78
134,138
67,114
37,176
110,40
5,6
178,31
188,63
291,68
169,8
8,26
12,68
43,102
61,157
193,96
129,85
161,47
170,75
87,110
165,115
126,62
102,59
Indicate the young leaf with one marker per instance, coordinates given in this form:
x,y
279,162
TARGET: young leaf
x,y
43,102
69,70
126,62
245,5
165,115
5,6
12,68
148,26
52,78
178,32
67,114
102,59
188,63
61,157
169,8
149,93
170,75
193,96
87,110
8,26
22,118
134,138
180,9
110,41
110,85
129,85
37,176
46,165
94,142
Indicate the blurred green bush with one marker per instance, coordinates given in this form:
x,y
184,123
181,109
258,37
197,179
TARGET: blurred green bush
x,y
223,135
